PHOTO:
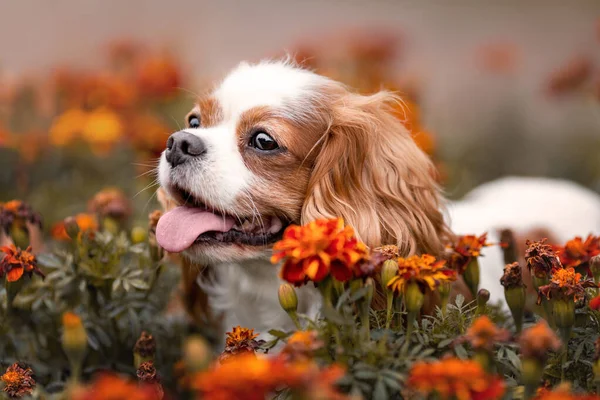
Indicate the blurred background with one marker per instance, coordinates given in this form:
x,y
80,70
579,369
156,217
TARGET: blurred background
x,y
90,90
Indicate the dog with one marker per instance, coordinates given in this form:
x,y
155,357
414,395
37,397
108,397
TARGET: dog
x,y
273,145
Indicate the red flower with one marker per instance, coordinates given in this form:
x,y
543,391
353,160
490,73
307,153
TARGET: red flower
x,y
577,252
595,303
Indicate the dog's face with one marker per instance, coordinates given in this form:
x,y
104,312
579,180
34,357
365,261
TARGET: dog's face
x,y
273,145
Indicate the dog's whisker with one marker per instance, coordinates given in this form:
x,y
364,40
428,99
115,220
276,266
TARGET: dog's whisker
x,y
149,186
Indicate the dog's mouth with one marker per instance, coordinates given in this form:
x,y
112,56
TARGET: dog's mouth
x,y
195,223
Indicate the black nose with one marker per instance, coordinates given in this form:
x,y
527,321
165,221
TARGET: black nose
x,y
182,147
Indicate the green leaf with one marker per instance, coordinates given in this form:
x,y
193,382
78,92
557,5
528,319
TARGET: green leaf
x,y
278,334
365,375
139,284
579,351
461,352
380,392
445,343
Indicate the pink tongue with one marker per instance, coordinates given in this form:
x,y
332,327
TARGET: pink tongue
x,y
178,229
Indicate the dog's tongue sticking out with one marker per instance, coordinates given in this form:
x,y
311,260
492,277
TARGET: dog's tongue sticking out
x,y
178,229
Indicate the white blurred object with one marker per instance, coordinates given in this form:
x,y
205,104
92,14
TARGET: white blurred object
x,y
521,204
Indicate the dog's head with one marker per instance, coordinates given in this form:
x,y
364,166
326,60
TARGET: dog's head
x,y
274,144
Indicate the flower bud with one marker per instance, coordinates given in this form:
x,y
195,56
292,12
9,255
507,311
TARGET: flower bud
x,y
483,296
74,342
138,235
471,276
111,225
388,271
288,298
196,353
515,299
71,227
595,268
531,371
413,297
564,313
370,285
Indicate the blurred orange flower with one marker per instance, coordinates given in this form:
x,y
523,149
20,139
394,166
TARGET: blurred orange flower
x,y
112,387
158,77
483,334
454,378
148,133
67,127
317,249
425,270
110,202
87,224
577,252
536,341
497,58
595,303
103,128
563,392
254,378
18,381
302,345
17,262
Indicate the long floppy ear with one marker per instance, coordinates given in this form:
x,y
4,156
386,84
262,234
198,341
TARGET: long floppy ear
x,y
370,172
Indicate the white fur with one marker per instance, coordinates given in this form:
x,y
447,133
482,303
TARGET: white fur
x,y
523,204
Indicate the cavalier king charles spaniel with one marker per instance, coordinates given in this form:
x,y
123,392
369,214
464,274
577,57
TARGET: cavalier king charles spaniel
x,y
274,145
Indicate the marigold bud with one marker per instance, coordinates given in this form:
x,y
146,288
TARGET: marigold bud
x,y
144,349
515,299
74,341
413,297
471,276
138,235
595,268
388,271
287,297
531,371
564,313
71,227
370,285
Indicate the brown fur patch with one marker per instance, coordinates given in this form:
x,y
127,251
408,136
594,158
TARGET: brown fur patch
x,y
209,110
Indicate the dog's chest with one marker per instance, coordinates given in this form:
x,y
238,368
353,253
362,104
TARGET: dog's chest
x,y
246,295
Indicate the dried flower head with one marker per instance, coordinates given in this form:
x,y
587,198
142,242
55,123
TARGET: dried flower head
x,y
253,378
320,248
145,346
302,345
17,211
565,284
112,387
153,218
110,202
389,250
425,270
536,341
240,340
541,258
18,381
578,252
466,248
17,262
146,373
483,334
512,277
87,224
455,378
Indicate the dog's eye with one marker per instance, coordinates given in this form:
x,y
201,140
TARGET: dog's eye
x,y
194,122
264,142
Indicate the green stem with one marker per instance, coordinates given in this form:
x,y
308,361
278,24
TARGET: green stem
x,y
366,324
410,320
390,306
565,333
294,316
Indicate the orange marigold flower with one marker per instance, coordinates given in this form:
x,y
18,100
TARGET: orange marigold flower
x,y
67,127
563,392
240,340
103,128
302,345
109,386
541,258
322,247
18,381
565,283
17,262
253,378
87,224
110,202
484,334
466,248
454,378
595,303
578,252
428,272
536,341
